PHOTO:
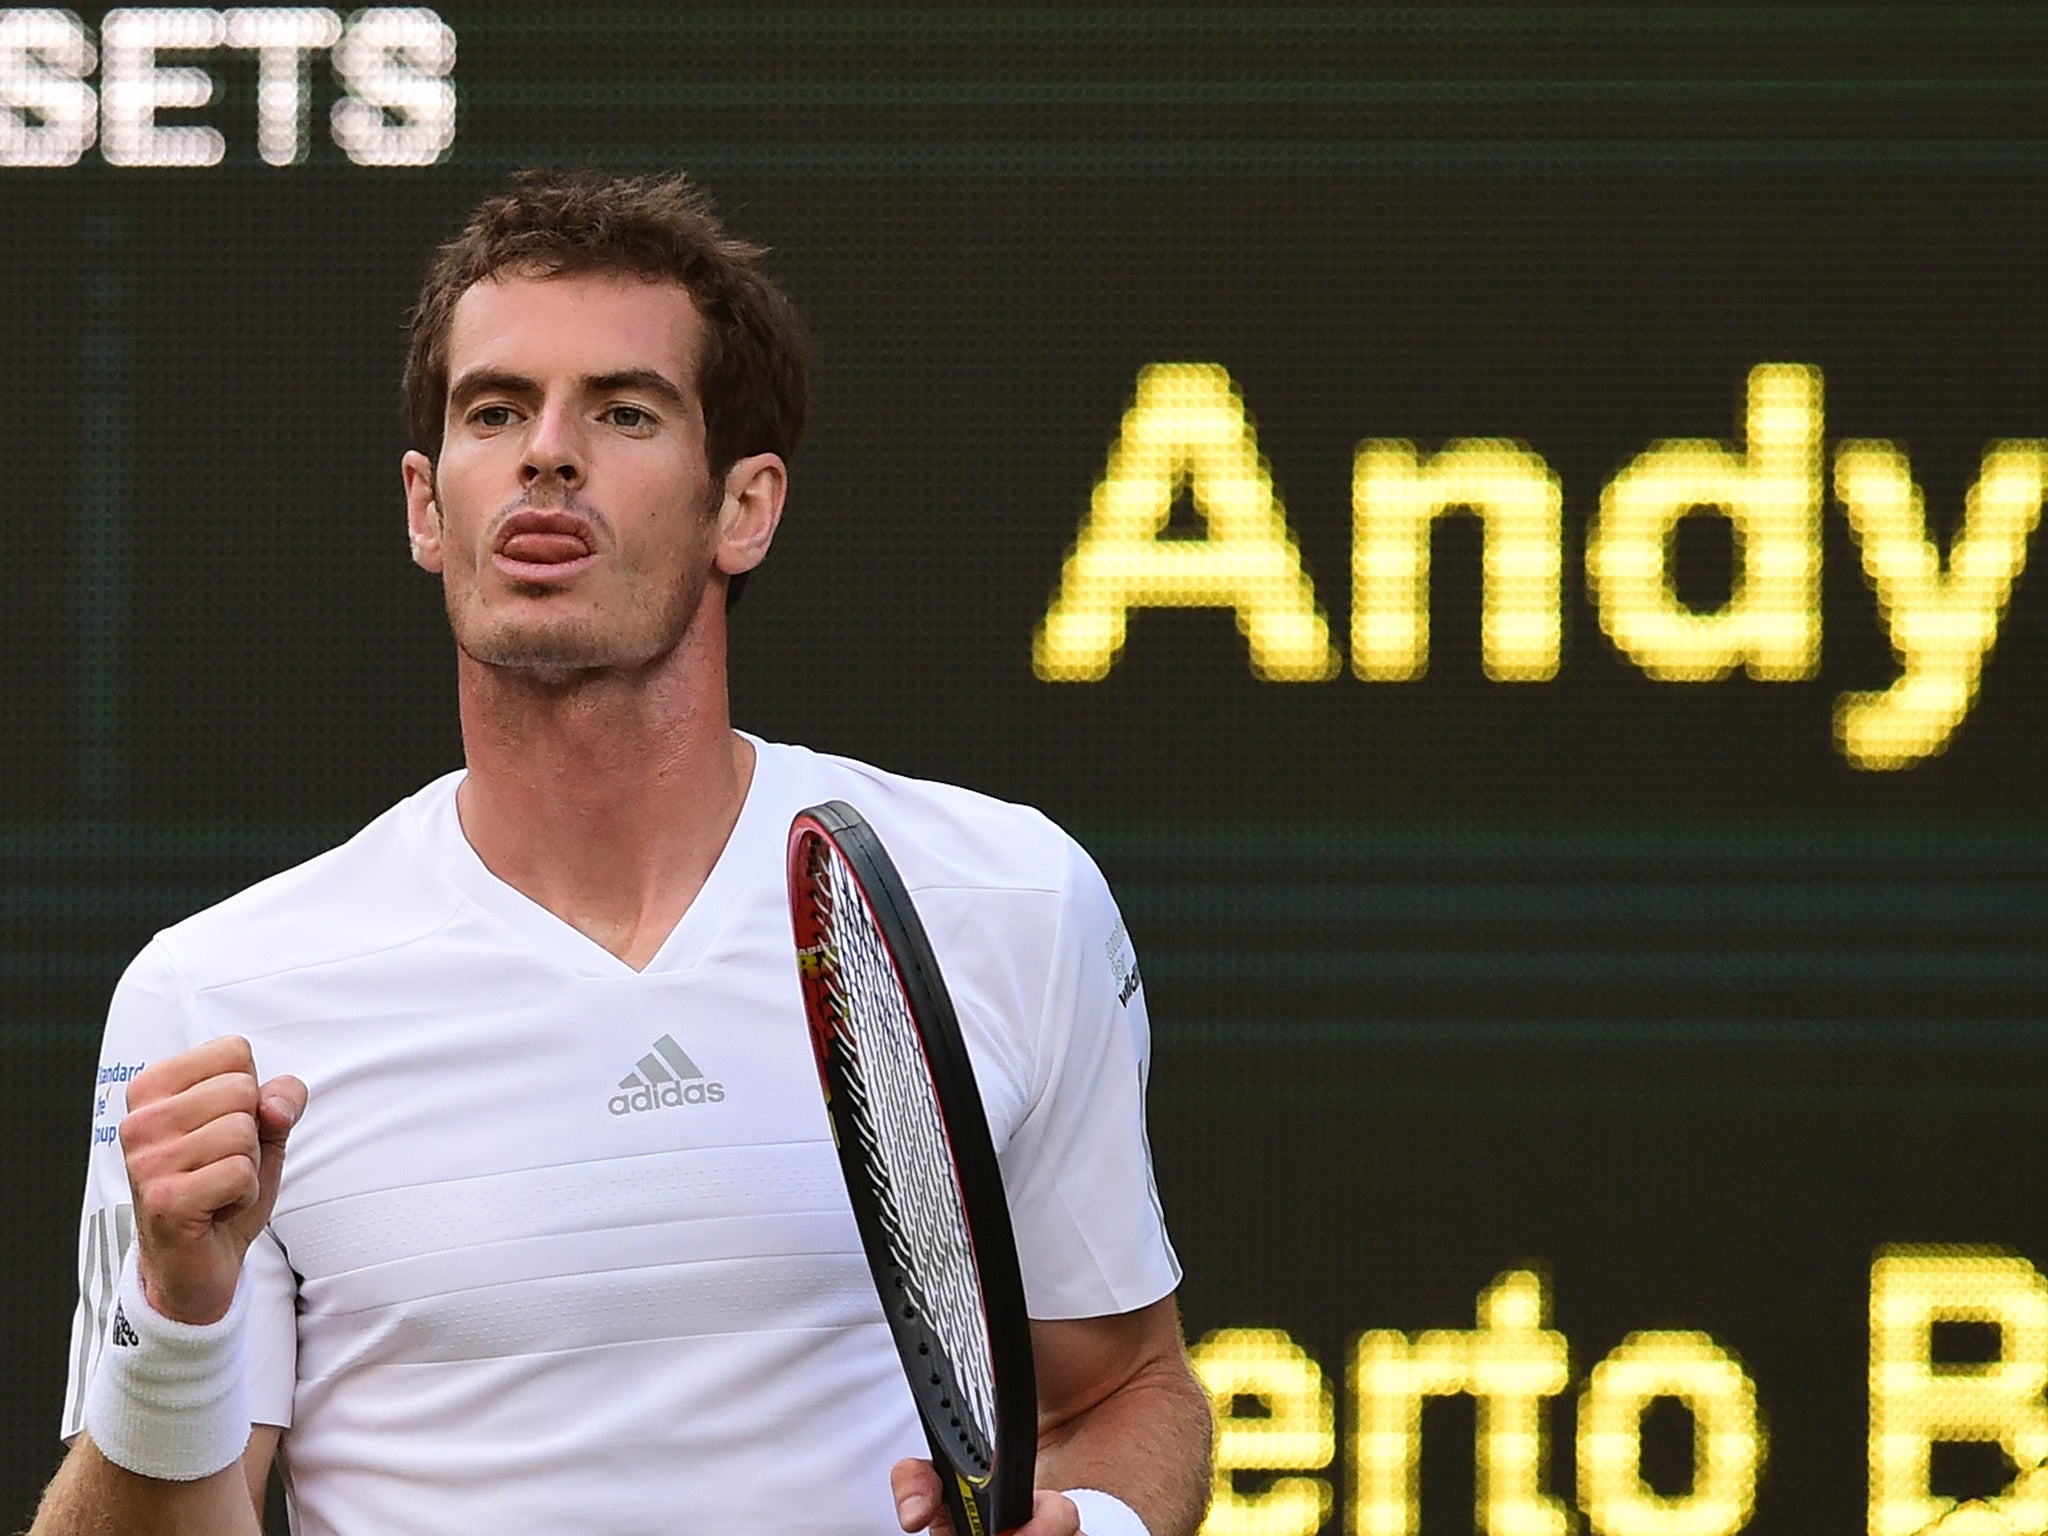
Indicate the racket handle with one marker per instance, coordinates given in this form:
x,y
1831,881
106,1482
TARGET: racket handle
x,y
961,1502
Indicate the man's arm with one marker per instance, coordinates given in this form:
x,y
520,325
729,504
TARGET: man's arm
x,y
1119,1410
90,1496
203,1145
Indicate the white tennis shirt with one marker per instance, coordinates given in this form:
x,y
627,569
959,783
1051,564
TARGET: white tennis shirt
x,y
562,1246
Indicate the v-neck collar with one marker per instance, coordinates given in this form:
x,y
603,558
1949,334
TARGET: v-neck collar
x,y
754,846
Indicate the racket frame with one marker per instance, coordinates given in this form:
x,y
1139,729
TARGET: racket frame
x,y
1001,1499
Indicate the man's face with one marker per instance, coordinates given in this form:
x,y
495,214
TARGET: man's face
x,y
572,515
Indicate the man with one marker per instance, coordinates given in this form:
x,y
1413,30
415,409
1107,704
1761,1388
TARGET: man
x,y
560,1244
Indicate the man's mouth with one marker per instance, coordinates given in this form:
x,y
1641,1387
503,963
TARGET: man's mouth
x,y
543,548
544,538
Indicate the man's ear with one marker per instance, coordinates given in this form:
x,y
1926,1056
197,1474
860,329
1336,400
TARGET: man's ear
x,y
422,511
751,511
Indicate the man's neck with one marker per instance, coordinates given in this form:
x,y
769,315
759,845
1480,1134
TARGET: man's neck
x,y
606,798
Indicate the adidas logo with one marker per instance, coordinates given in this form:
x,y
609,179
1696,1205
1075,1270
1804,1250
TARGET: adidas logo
x,y
124,1331
666,1079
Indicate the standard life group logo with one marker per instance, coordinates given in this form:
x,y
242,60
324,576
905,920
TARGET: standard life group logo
x,y
1188,428
392,63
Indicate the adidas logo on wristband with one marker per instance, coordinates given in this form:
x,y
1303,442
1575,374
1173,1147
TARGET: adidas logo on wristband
x,y
168,1401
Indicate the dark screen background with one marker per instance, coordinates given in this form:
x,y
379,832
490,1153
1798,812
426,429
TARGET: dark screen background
x,y
1640,982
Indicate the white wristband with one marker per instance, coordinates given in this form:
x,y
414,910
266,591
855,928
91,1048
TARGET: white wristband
x,y
166,1399
1104,1514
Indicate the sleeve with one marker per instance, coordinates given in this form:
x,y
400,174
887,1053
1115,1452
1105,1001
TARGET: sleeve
x,y
152,1016
1091,1238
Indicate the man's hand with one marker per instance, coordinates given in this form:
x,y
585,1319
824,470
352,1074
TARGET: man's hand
x,y
921,1505
1119,1409
204,1143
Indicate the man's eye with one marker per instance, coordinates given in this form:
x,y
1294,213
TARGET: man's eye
x,y
494,416
629,416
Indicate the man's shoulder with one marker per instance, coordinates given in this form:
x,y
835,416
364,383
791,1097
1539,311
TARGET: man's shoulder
x,y
940,835
376,891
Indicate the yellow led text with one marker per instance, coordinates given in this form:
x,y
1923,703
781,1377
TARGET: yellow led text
x,y
1772,494
1510,1364
1728,1440
1914,1401
1294,1430
1274,1415
1395,497
1941,622
1188,428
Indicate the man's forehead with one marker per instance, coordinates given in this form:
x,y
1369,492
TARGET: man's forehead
x,y
580,322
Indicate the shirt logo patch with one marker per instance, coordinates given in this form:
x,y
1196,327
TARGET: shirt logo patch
x,y
110,1076
665,1078
1123,960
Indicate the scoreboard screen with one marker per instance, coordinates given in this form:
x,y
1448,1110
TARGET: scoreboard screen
x,y
1505,529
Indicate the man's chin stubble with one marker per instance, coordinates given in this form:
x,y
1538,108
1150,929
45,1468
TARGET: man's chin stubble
x,y
555,659
556,654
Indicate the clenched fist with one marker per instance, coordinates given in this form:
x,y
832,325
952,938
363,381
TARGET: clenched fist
x,y
204,1143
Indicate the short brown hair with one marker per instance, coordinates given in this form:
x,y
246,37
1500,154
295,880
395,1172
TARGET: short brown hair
x,y
750,380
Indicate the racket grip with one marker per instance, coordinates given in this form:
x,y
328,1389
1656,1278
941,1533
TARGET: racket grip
x,y
962,1504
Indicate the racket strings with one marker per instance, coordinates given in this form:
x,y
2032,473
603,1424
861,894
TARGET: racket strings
x,y
889,1085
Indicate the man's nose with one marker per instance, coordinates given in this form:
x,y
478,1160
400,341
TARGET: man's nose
x,y
554,453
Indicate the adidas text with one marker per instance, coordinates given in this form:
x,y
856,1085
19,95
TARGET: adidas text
x,y
667,1096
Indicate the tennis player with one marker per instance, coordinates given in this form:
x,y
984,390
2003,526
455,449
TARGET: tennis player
x,y
475,1173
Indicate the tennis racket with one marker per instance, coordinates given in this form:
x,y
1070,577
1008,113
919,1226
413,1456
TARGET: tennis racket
x,y
920,1168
